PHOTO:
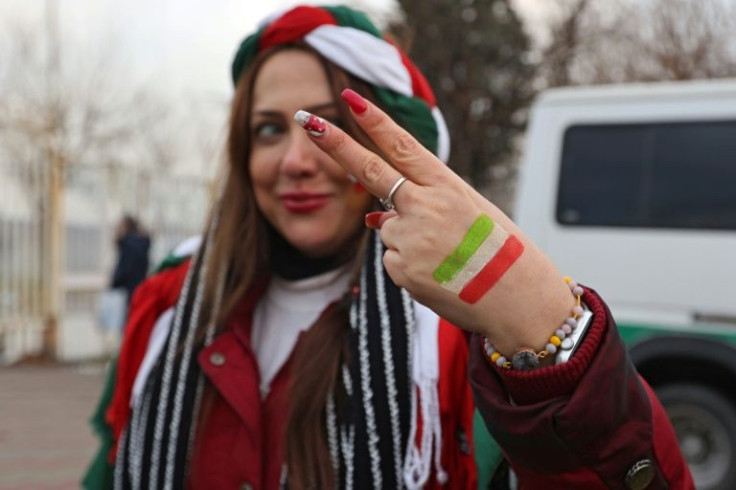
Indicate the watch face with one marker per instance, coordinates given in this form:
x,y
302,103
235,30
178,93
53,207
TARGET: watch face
x,y
576,336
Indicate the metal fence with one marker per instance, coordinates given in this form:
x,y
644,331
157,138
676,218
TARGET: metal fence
x,y
92,199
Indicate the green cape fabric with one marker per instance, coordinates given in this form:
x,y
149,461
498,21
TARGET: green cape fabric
x,y
100,473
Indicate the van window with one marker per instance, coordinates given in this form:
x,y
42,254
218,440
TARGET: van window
x,y
666,175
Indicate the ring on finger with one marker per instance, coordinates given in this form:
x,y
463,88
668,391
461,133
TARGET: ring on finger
x,y
388,203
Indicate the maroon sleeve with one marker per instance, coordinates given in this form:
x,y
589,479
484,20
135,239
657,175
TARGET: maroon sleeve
x,y
581,424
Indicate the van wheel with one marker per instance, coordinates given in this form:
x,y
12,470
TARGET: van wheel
x,y
705,423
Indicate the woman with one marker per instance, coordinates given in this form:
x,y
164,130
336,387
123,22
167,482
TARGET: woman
x,y
285,353
133,246
289,230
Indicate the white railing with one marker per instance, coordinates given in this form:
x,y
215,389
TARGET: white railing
x,y
93,199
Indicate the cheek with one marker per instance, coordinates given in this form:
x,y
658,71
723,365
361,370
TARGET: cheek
x,y
359,201
262,173
262,181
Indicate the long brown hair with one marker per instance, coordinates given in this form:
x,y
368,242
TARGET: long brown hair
x,y
241,245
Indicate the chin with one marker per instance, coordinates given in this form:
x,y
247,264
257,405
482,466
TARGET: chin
x,y
311,247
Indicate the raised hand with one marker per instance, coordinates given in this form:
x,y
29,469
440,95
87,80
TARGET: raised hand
x,y
452,249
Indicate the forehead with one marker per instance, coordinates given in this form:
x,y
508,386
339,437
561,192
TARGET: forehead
x,y
290,78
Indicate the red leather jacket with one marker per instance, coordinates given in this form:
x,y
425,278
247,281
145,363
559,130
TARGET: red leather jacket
x,y
240,442
583,424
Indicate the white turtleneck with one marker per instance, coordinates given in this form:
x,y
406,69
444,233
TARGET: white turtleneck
x,y
286,309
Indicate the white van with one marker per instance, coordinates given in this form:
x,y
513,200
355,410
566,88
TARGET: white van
x,y
631,189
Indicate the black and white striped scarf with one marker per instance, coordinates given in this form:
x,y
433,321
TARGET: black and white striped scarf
x,y
369,439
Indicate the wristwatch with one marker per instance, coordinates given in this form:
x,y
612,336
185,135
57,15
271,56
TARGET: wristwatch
x,y
576,335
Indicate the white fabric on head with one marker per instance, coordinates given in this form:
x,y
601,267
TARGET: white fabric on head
x,y
375,61
443,135
364,55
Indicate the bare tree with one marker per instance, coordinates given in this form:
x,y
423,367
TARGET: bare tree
x,y
85,114
65,109
565,44
595,41
476,56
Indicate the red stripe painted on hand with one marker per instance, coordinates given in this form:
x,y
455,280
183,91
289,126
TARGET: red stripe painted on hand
x,y
493,270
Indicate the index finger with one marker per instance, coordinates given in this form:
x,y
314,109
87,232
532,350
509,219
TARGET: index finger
x,y
377,176
402,149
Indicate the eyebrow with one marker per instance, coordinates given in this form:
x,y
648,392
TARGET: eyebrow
x,y
315,109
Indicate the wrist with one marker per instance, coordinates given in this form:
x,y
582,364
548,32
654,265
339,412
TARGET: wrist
x,y
523,351
533,322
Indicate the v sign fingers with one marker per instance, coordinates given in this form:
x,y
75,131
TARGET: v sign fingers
x,y
377,176
452,249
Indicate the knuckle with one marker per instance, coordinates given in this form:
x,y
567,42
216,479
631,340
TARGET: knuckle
x,y
443,207
444,179
374,169
382,234
405,148
338,143
394,270
408,198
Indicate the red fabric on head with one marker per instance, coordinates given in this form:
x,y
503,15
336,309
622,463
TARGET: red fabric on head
x,y
419,84
294,25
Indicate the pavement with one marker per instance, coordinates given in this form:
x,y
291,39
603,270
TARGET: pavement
x,y
45,439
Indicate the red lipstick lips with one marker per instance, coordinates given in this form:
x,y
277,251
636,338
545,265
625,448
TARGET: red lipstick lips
x,y
303,202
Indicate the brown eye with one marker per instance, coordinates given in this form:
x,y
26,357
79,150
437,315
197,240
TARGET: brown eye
x,y
267,130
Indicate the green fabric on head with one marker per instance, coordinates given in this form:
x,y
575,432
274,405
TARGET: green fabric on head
x,y
345,16
247,52
412,113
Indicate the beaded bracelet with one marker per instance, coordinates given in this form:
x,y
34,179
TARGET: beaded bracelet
x,y
526,358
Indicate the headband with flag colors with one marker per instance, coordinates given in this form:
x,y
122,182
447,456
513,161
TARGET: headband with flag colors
x,y
348,39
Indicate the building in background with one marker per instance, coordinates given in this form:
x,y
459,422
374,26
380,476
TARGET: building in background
x,y
94,198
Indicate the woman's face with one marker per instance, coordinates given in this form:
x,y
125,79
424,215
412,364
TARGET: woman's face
x,y
305,195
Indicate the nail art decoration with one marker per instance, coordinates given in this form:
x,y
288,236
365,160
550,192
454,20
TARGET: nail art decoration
x,y
314,125
486,252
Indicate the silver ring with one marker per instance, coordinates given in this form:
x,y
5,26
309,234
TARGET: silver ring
x,y
388,203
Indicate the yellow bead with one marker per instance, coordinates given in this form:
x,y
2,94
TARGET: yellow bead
x,y
567,279
495,356
555,340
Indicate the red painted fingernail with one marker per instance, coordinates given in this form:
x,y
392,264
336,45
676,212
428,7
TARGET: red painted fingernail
x,y
372,219
314,125
355,101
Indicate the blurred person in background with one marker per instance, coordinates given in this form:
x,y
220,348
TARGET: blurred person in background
x,y
314,340
133,246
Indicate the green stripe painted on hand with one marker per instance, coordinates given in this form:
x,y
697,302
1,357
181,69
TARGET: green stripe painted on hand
x,y
482,227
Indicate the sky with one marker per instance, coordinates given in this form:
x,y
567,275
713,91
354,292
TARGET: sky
x,y
183,45
177,51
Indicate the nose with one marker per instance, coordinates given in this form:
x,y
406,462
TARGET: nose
x,y
301,157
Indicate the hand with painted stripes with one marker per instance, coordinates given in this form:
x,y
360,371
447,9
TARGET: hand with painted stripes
x,y
450,247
